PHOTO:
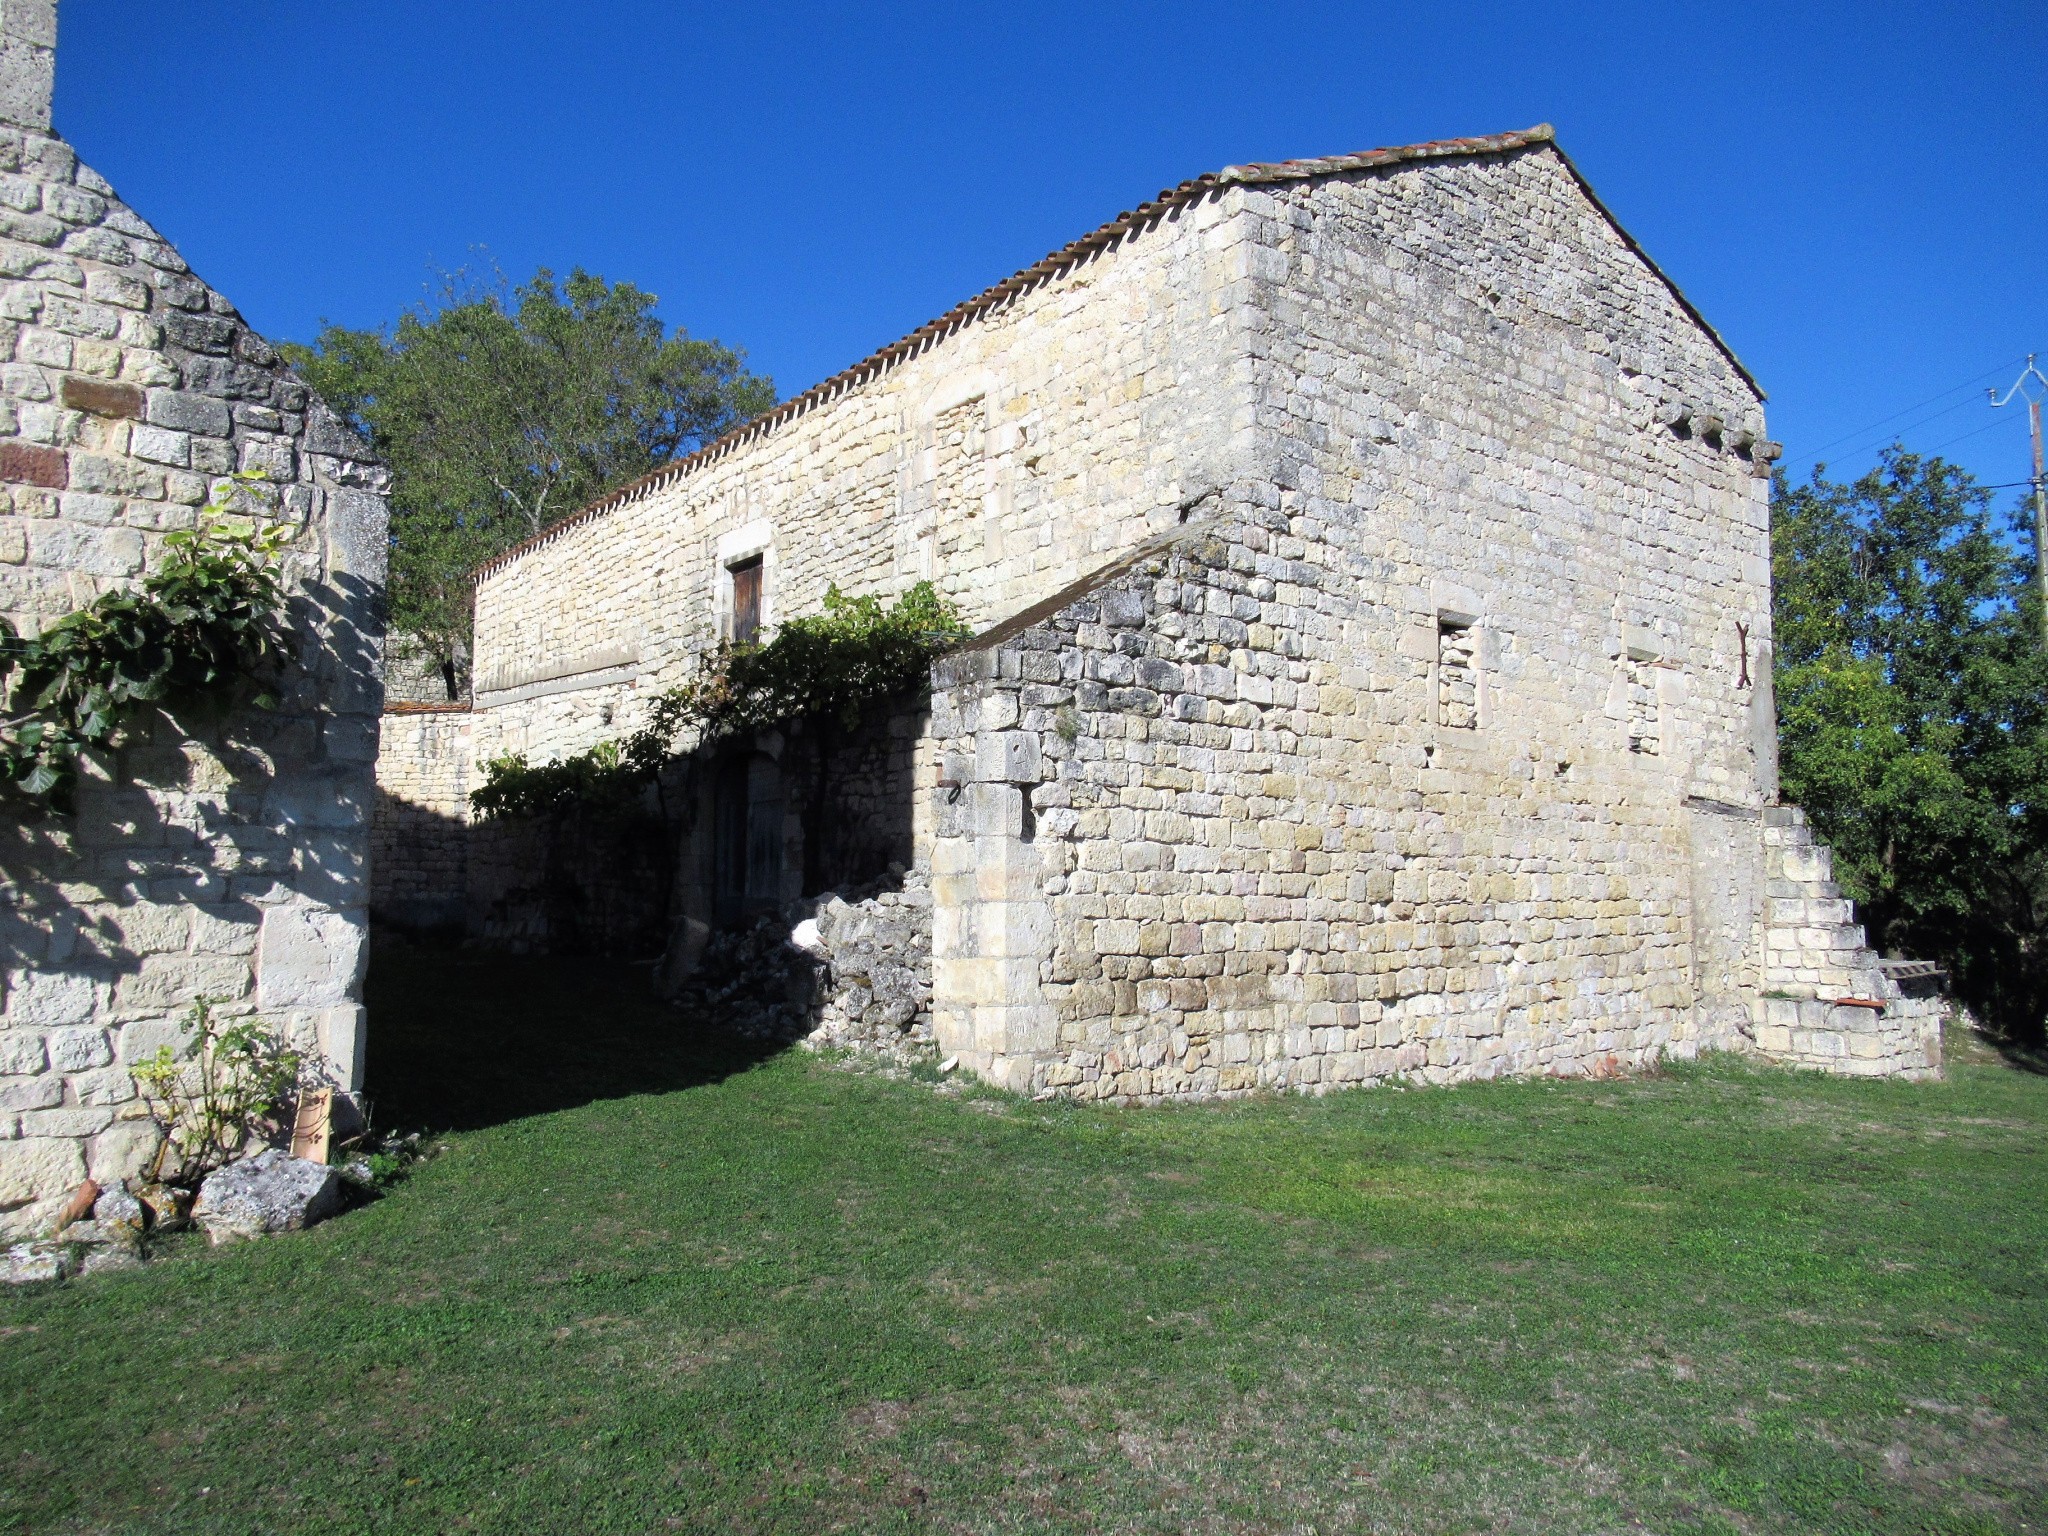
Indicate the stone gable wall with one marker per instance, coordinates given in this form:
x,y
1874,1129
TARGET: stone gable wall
x,y
217,858
1471,365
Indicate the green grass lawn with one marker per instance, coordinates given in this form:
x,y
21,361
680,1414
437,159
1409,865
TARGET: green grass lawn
x,y
654,1285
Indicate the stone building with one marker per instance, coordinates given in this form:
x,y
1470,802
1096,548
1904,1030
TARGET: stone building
x,y
1370,564
223,859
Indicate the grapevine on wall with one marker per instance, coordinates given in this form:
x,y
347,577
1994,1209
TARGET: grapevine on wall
x,y
829,667
205,628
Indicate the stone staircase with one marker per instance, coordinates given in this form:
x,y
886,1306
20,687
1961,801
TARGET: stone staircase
x,y
1826,1000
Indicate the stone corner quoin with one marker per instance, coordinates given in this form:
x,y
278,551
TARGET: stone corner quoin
x,y
207,859
1371,557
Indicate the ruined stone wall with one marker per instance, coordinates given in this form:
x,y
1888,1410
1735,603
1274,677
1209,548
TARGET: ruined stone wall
x,y
585,882
224,859
419,837
849,800
1002,461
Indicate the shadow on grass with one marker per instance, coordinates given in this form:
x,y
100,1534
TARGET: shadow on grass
x,y
461,1039
2025,1058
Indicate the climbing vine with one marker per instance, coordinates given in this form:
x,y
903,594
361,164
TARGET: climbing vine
x,y
205,627
829,667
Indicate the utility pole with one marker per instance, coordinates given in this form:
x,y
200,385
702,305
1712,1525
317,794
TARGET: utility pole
x,y
2031,386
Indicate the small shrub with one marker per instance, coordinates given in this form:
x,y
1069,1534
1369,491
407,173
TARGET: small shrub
x,y
230,1088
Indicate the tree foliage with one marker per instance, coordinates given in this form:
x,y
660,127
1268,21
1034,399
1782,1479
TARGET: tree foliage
x,y
827,668
502,409
205,628
1912,695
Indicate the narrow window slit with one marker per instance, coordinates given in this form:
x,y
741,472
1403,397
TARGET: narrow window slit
x,y
1457,676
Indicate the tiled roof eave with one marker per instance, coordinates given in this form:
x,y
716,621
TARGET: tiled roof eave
x,y
1059,262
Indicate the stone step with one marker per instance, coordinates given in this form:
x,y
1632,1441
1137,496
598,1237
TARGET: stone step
x,y
1804,890
1815,862
1807,910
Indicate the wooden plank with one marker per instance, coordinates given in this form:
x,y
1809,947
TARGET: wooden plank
x,y
79,1206
313,1124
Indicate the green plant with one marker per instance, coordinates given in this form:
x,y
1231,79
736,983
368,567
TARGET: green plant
x,y
233,1081
827,669
1912,695
204,626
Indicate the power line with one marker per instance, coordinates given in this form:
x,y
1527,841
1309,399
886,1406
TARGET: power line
x,y
1975,431
1886,438
1909,410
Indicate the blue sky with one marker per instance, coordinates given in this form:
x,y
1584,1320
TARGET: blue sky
x,y
1855,194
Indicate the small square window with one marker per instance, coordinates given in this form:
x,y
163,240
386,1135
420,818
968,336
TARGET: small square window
x,y
746,600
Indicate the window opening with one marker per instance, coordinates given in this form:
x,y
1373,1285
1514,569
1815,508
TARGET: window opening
x,y
1645,733
746,600
1457,676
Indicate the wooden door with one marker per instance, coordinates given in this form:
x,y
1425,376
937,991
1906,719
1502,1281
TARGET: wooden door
x,y
746,601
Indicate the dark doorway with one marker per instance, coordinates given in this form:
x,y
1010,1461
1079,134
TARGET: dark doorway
x,y
747,832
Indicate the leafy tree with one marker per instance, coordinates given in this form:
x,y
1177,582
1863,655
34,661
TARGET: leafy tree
x,y
503,409
1913,719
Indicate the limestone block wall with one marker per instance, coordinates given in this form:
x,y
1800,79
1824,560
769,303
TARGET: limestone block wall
x,y
1187,856
419,836
1473,366
1538,441
1002,458
216,858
